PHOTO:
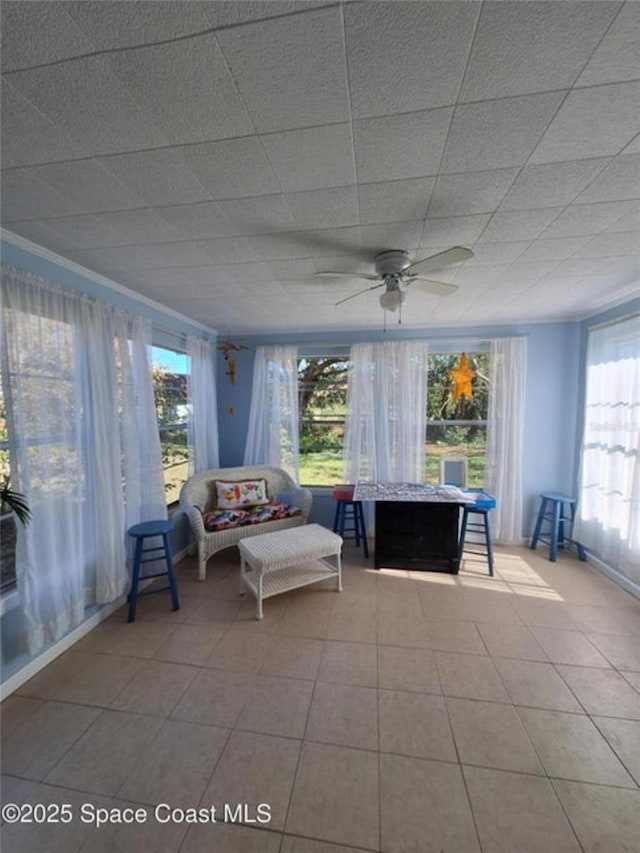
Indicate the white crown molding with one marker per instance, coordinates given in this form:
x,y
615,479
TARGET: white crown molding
x,y
47,255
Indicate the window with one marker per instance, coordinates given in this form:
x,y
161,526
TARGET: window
x,y
170,371
460,428
322,404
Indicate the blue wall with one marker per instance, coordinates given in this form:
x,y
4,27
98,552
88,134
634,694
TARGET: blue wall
x,y
552,393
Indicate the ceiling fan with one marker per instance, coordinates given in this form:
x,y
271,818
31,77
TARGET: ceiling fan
x,y
395,272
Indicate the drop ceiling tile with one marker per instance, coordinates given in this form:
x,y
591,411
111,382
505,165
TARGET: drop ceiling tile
x,y
313,158
85,232
159,177
579,267
292,270
479,275
497,253
223,13
454,230
290,71
87,96
276,247
629,221
343,263
261,215
24,196
202,220
39,231
553,250
230,273
551,184
391,235
232,168
633,147
89,187
521,274
401,146
186,89
330,242
28,137
118,23
585,219
324,208
185,253
518,224
625,243
405,57
596,122
531,47
138,226
128,257
619,181
394,201
52,35
166,278
474,192
495,134
616,57
228,250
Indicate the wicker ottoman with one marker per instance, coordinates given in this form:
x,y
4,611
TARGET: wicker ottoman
x,y
272,563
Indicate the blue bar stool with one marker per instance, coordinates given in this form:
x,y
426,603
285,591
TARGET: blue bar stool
x,y
558,510
349,510
482,506
150,530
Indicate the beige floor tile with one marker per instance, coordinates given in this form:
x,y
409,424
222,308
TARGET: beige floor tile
x,y
52,678
491,735
213,611
15,710
515,811
215,697
571,747
602,691
624,738
633,678
335,796
52,837
276,706
349,663
293,657
137,639
344,715
606,820
298,622
228,838
106,753
623,652
100,680
570,647
407,669
396,631
190,644
455,636
470,676
605,620
189,752
33,748
536,611
240,651
293,844
395,605
357,627
424,807
155,689
536,685
273,610
511,641
255,769
13,789
415,724
150,835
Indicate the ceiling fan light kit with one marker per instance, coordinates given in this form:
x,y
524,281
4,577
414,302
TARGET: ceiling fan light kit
x,y
391,300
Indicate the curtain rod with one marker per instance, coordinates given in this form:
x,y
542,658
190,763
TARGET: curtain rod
x,y
615,322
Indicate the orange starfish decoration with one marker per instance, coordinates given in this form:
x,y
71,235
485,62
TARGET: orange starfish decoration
x,y
462,377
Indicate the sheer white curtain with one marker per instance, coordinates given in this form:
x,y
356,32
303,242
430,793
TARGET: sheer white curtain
x,y
505,428
386,412
272,438
608,519
203,405
84,447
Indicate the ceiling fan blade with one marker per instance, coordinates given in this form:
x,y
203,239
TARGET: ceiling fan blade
x,y
428,285
331,274
443,259
366,290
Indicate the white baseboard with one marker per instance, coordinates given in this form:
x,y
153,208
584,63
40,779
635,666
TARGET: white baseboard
x,y
34,666
621,580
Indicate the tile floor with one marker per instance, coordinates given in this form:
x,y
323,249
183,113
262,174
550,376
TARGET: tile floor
x,y
412,712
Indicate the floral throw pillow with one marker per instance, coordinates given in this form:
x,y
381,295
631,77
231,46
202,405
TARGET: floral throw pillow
x,y
241,493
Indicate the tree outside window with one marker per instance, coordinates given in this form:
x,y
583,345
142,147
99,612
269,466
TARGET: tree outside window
x,y
322,406
170,370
